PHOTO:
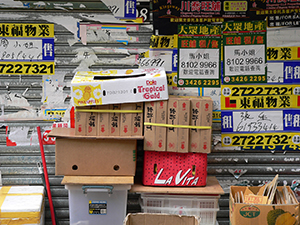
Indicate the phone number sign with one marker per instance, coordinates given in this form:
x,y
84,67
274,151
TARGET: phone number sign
x,y
199,53
244,52
27,49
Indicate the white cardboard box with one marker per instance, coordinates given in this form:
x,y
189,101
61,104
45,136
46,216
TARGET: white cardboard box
x,y
119,86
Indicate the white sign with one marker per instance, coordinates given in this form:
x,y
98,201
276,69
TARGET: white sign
x,y
198,63
244,60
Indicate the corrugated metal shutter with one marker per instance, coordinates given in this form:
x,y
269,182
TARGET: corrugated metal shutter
x,y
18,163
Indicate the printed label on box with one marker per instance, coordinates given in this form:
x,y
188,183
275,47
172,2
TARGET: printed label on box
x,y
97,207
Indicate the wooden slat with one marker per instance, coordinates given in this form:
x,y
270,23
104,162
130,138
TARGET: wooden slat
x,y
97,180
212,188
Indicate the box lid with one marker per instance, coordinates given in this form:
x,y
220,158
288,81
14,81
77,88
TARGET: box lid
x,y
21,201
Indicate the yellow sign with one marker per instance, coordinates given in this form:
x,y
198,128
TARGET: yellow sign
x,y
260,139
27,68
283,53
236,6
259,97
172,79
166,41
38,30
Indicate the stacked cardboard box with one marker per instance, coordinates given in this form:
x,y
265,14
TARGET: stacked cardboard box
x,y
190,119
110,120
108,123
177,138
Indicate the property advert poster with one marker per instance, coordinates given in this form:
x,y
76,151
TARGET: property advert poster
x,y
199,54
244,52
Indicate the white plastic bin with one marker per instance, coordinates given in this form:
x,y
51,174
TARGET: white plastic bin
x,y
97,205
203,206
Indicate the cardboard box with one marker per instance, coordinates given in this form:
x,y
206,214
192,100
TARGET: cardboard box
x,y
174,169
205,120
172,132
261,214
131,123
103,121
137,120
91,122
84,156
80,122
114,120
119,86
149,130
162,219
161,132
183,119
22,205
201,115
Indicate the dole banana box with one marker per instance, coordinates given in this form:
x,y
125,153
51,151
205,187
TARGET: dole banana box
x,y
119,86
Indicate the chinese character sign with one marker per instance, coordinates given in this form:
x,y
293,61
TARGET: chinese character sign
x,y
199,56
27,49
244,52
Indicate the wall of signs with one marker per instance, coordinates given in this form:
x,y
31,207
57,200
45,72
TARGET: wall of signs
x,y
224,49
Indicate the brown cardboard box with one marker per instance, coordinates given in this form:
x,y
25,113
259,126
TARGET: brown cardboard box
x,y
162,219
137,120
86,156
201,115
114,120
161,132
261,214
183,119
91,122
80,122
149,130
205,120
172,132
195,121
126,128
103,121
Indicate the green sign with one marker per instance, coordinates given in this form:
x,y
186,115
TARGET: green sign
x,y
244,52
199,54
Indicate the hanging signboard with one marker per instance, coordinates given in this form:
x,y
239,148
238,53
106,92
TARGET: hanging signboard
x,y
26,49
244,52
199,53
